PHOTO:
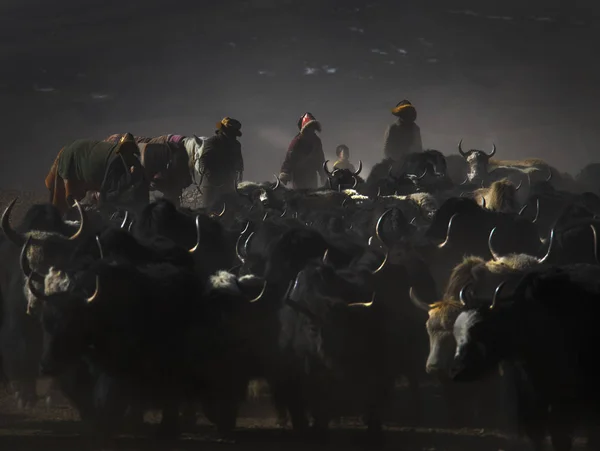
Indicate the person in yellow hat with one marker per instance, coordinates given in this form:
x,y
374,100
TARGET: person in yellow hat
x,y
343,162
221,164
403,136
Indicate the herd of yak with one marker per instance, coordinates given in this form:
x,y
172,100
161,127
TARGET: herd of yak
x,y
481,272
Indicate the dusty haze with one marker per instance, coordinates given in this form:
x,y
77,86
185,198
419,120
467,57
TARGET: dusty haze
x,y
523,77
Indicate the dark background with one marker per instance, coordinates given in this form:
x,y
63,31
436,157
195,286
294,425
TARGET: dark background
x,y
523,74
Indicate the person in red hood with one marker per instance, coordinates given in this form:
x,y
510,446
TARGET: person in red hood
x,y
303,164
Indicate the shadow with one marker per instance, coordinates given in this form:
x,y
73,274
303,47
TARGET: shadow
x,y
40,437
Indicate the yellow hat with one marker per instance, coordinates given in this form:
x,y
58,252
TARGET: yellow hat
x,y
127,137
230,124
127,141
405,111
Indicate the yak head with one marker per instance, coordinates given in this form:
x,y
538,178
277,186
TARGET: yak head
x,y
332,309
342,179
478,274
262,195
43,249
482,332
478,161
67,316
431,162
442,315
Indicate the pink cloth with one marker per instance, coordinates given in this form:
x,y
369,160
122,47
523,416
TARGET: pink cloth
x,y
176,139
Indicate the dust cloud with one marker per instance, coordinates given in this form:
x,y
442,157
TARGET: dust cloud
x,y
524,78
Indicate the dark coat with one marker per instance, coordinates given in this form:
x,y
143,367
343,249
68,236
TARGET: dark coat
x,y
220,161
304,160
221,158
402,138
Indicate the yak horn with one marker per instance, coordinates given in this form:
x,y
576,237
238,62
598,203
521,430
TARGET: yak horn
x,y
195,248
447,240
94,296
595,233
545,258
325,168
260,295
220,215
40,295
383,263
378,234
464,155
239,240
277,183
364,304
23,260
490,155
537,210
496,293
420,177
326,257
418,302
463,296
495,255
16,238
519,185
247,243
522,210
378,225
359,168
124,223
79,232
99,244
239,193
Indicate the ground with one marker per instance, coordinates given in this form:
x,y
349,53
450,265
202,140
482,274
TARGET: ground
x,y
57,428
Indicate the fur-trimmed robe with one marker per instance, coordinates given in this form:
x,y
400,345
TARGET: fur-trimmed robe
x,y
304,161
